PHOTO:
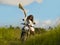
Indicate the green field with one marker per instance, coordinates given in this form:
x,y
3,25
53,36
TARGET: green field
x,y
11,36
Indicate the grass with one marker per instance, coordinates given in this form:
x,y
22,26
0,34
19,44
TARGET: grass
x,y
12,37
9,36
51,37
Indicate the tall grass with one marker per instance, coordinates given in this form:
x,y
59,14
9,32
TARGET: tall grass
x,y
51,37
10,36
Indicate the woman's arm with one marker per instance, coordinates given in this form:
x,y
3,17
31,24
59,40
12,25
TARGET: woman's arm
x,y
34,23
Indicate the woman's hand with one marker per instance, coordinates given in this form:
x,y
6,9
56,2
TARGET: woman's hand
x,y
23,19
34,23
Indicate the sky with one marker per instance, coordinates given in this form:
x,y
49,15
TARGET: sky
x,y
45,12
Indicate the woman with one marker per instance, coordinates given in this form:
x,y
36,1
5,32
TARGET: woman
x,y
30,22
28,26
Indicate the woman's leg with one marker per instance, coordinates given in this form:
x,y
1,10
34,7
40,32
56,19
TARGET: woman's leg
x,y
32,32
